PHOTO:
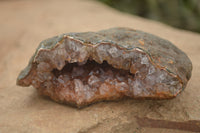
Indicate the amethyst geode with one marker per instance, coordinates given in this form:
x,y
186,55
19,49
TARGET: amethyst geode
x,y
83,68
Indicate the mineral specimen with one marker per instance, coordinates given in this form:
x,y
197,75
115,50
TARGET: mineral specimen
x,y
83,68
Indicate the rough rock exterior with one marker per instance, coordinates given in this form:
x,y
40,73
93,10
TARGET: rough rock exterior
x,y
83,68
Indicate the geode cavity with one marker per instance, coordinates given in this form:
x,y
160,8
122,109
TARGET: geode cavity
x,y
83,68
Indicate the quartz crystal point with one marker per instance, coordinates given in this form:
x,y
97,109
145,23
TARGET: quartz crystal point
x,y
83,68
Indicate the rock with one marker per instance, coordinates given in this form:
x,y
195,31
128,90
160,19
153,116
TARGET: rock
x,y
24,23
155,70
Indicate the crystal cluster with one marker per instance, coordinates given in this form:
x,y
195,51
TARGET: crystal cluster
x,y
78,72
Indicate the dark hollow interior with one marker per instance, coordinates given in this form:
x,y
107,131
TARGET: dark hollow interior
x,y
85,71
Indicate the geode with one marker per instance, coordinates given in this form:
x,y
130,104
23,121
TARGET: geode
x,y
83,68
